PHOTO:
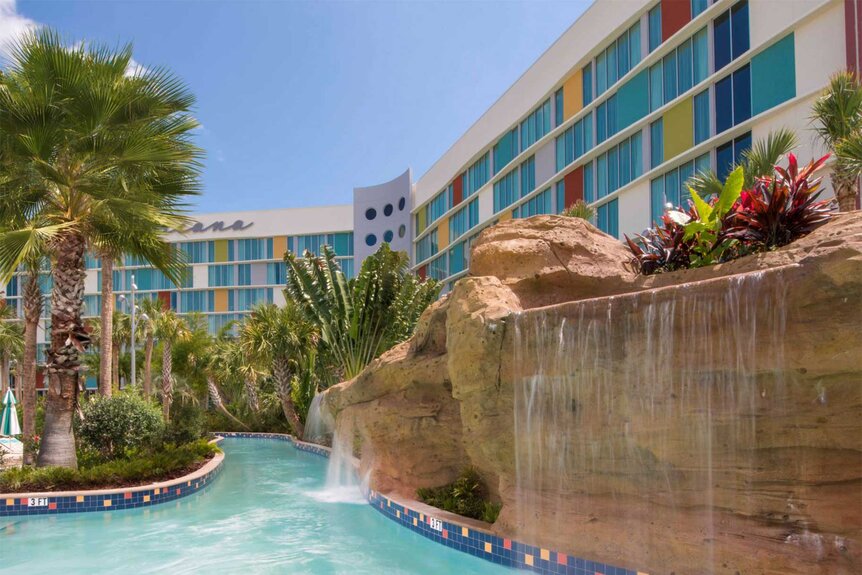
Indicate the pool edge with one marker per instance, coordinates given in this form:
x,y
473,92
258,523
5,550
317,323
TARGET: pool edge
x,y
89,500
461,536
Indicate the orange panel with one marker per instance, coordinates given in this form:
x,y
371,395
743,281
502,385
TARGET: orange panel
x,y
220,303
279,246
573,95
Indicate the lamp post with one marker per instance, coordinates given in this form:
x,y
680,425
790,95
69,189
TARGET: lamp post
x,y
134,374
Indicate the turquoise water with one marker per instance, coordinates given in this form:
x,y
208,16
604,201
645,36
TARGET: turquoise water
x,y
263,514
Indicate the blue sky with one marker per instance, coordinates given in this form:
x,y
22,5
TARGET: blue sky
x,y
302,101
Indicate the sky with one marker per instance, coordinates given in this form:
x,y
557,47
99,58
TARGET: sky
x,y
302,101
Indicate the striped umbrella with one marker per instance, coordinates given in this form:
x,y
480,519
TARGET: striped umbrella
x,y
9,421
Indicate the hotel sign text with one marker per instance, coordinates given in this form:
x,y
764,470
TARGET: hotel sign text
x,y
219,226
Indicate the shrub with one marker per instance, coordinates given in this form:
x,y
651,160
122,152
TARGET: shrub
x,y
466,496
116,425
188,423
164,464
580,209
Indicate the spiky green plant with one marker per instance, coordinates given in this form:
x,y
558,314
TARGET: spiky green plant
x,y
360,319
580,209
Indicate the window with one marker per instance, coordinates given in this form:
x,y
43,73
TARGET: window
x,y
254,249
456,258
601,73
700,56
276,273
587,80
656,143
558,107
370,240
634,45
656,90
506,191
437,206
612,115
733,99
730,35
607,216
602,175
477,176
574,142
656,193
463,220
505,150
427,246
589,189
617,167
560,191
370,214
701,117
243,274
342,243
438,268
196,252
698,6
346,265
602,122
200,301
528,175
654,20
669,68
672,186
538,204
615,61
685,72
536,125
221,276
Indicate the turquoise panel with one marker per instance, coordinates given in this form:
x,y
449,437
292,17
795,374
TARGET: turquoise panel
x,y
773,75
633,100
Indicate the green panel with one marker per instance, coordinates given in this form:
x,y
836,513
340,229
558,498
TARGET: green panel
x,y
773,75
221,250
633,100
678,129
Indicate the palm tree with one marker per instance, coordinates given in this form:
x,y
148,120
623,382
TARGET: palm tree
x,y
220,366
11,342
280,338
837,115
111,162
150,311
169,328
757,162
121,331
360,319
34,303
107,364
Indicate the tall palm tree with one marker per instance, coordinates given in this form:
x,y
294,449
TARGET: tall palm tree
x,y
169,328
837,115
121,331
757,162
11,342
280,338
113,163
150,311
34,303
220,366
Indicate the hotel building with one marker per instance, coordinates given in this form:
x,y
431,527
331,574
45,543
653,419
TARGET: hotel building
x,y
635,97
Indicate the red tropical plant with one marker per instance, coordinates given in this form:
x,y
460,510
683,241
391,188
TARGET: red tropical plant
x,y
779,209
663,247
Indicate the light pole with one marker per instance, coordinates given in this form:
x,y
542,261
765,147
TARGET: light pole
x,y
134,375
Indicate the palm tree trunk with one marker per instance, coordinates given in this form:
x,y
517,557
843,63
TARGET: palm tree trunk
x,y
846,189
281,373
167,381
106,364
4,372
216,399
68,339
251,393
115,366
148,366
32,310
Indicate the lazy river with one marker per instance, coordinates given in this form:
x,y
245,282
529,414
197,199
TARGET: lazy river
x,y
266,512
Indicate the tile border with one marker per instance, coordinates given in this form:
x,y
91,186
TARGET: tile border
x,y
441,527
82,501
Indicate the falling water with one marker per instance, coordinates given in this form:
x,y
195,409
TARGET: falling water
x,y
342,479
319,425
637,418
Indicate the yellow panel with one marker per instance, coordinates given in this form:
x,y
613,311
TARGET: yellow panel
x,y
279,246
220,303
420,227
220,251
573,95
678,129
443,234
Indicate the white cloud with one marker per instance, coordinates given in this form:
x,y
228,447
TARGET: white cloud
x,y
12,25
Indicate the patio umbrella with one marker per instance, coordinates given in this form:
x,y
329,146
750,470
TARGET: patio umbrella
x,y
9,420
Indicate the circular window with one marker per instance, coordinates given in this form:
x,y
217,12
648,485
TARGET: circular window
x,y
370,214
401,231
387,210
387,236
401,203
370,240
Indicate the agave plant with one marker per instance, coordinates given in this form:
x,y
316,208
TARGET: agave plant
x,y
780,209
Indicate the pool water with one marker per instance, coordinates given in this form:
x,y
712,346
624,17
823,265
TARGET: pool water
x,y
263,514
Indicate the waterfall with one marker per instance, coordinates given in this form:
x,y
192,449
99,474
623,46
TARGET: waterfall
x,y
319,425
636,418
342,475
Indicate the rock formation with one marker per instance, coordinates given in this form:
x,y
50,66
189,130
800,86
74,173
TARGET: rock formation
x,y
706,420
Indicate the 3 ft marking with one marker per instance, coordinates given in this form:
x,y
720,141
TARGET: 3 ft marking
x,y
435,524
37,502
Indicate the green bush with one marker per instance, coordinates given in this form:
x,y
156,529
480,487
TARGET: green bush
x,y
188,423
164,464
467,496
113,426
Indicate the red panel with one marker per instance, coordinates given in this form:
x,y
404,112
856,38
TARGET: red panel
x,y
674,15
458,190
850,33
165,299
40,379
857,40
574,184
422,272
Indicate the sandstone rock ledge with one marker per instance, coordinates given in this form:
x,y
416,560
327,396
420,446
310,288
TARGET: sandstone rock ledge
x,y
700,421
